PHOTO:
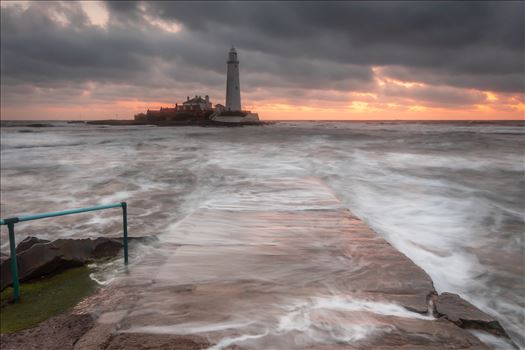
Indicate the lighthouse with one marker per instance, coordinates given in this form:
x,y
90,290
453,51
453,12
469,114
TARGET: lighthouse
x,y
232,113
233,88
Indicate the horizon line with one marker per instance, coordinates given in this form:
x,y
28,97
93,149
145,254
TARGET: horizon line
x,y
297,120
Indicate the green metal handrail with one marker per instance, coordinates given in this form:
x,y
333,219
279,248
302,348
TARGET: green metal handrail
x,y
10,222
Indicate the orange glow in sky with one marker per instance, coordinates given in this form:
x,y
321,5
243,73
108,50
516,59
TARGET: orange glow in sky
x,y
375,91
388,99
370,108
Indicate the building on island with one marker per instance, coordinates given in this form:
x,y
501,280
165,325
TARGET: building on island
x,y
196,107
197,103
200,109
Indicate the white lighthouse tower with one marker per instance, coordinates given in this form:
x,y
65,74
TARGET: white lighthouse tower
x,y
233,88
232,113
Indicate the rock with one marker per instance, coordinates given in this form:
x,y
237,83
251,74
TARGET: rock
x,y
406,333
45,258
28,242
462,313
5,272
39,125
87,250
59,332
27,131
138,341
139,239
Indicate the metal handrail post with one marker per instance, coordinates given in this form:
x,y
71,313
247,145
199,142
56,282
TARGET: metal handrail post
x,y
125,229
14,264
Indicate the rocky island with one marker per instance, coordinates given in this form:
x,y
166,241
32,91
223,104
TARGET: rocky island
x,y
199,111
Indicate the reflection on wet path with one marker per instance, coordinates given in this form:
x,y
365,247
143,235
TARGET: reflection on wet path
x,y
305,273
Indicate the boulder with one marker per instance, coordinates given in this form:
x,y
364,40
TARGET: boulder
x,y
5,272
5,268
28,242
138,239
465,315
59,332
39,125
139,341
3,257
45,258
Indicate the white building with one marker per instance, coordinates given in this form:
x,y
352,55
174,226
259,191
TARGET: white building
x,y
197,103
233,88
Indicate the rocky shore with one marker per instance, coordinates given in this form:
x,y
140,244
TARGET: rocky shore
x,y
307,275
189,122
98,322
38,258
85,329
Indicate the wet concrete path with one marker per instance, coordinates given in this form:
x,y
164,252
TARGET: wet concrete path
x,y
280,265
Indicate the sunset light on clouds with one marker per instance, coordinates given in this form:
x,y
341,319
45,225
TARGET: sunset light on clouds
x,y
286,174
311,60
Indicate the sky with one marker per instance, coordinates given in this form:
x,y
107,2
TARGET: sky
x,y
298,60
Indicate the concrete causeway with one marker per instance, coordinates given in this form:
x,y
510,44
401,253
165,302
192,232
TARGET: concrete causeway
x,y
280,265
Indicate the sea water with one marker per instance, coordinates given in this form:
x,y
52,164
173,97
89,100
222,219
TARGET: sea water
x,y
450,196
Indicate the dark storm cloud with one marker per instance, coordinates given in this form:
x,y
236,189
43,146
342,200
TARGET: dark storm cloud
x,y
296,45
502,82
435,96
36,49
429,25
477,40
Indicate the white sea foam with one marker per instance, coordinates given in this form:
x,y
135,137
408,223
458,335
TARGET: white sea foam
x,y
298,324
351,304
189,328
498,343
223,343
448,196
